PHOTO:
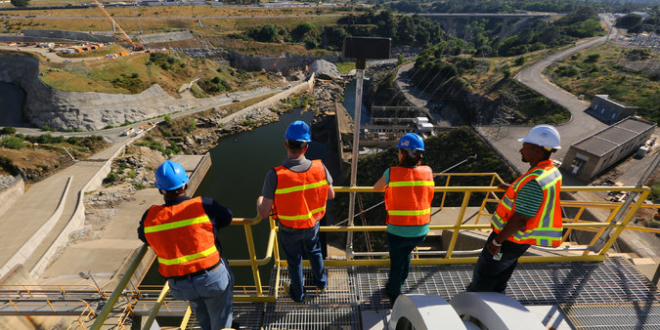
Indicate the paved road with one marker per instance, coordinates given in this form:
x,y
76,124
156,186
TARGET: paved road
x,y
580,125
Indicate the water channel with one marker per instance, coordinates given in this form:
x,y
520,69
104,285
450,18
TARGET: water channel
x,y
239,166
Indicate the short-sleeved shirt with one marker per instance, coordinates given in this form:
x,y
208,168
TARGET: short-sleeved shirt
x,y
405,231
298,165
529,199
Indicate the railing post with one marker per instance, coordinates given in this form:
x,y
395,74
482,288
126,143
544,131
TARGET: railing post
x,y
461,214
624,222
444,193
159,302
110,303
253,259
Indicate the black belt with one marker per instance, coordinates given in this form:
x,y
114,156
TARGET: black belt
x,y
195,274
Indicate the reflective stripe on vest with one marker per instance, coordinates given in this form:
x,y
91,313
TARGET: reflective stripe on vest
x,y
300,198
408,196
545,228
182,237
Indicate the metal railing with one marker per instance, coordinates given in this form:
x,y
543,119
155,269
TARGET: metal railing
x,y
575,222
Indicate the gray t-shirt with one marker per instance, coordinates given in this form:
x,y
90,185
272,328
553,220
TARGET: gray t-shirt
x,y
299,165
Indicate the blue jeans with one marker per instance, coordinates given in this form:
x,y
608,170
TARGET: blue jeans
x,y
295,243
400,254
210,296
492,275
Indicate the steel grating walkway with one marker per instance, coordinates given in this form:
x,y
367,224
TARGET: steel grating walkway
x,y
620,316
584,291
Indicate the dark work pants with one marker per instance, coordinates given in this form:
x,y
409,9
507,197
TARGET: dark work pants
x,y
400,249
492,275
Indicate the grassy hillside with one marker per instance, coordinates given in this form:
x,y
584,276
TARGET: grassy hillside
x,y
135,73
629,76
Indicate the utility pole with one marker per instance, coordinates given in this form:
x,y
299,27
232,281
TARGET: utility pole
x,y
360,48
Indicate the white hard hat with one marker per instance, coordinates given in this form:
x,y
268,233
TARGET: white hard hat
x,y
544,136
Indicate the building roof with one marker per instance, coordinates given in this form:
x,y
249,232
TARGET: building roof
x,y
613,136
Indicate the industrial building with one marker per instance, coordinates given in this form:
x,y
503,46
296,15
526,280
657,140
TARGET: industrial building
x,y
588,157
609,111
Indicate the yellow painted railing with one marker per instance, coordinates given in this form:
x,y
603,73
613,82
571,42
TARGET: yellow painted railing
x,y
575,222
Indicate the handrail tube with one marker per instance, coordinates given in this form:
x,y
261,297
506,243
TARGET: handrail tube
x,y
110,303
366,189
157,304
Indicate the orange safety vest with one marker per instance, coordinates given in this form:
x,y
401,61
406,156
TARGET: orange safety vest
x,y
182,237
408,196
545,228
300,197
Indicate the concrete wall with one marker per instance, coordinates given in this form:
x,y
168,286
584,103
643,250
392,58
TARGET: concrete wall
x,y
31,245
77,220
276,63
609,111
10,195
68,35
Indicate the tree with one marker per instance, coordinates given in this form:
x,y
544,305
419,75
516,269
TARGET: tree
x,y
20,3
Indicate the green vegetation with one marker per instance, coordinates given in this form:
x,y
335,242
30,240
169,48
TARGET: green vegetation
x,y
8,130
637,24
345,67
626,75
12,142
20,3
131,83
214,86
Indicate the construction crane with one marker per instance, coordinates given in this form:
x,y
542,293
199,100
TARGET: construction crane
x,y
135,44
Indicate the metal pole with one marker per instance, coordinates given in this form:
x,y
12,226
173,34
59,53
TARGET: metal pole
x,y
359,65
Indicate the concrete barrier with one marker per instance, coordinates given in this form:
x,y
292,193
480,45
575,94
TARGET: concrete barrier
x,y
77,220
33,242
10,195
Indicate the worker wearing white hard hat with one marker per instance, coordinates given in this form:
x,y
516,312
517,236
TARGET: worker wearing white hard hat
x,y
528,214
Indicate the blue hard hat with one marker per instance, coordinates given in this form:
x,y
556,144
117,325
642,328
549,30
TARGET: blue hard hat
x,y
299,131
170,176
411,141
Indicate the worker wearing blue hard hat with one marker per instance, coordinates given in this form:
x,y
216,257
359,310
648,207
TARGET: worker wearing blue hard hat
x,y
298,131
189,253
295,194
409,189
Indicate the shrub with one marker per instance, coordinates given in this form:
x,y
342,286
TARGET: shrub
x,y
73,139
111,178
45,138
13,142
593,58
8,130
